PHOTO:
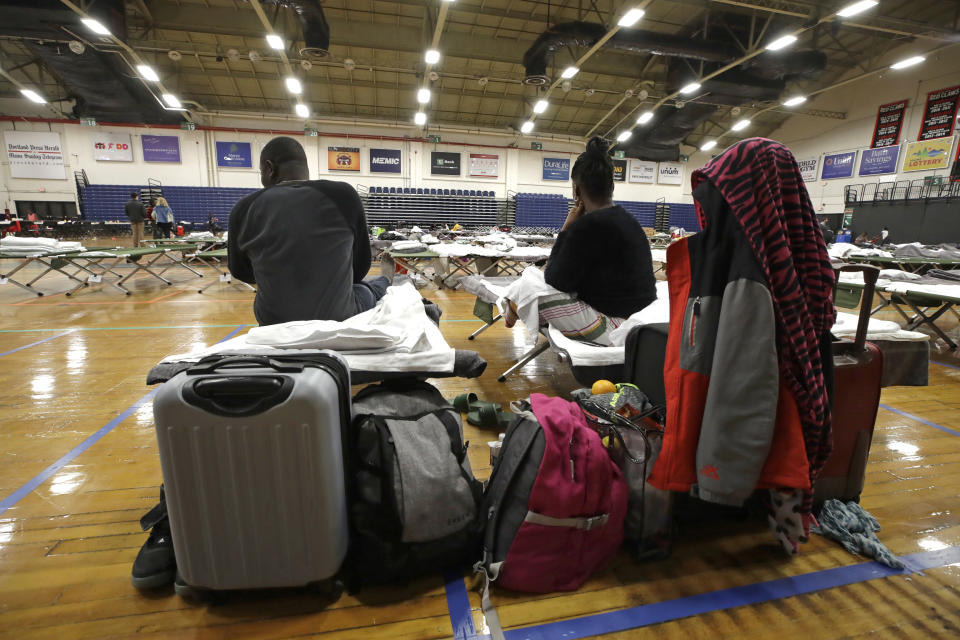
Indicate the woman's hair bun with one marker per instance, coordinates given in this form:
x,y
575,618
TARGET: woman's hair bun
x,y
598,146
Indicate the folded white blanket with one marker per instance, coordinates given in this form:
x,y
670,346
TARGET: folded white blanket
x,y
22,247
656,311
418,344
526,292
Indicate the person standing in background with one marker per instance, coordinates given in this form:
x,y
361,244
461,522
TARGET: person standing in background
x,y
137,213
164,216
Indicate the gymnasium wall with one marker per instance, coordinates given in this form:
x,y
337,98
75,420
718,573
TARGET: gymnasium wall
x,y
814,136
520,170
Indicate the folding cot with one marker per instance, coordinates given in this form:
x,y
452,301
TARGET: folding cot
x,y
919,296
215,259
103,262
911,265
52,261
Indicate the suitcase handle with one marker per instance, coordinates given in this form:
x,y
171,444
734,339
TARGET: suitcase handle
x,y
238,396
211,364
870,276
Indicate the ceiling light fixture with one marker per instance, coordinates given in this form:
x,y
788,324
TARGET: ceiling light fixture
x,y
420,118
645,118
708,145
624,136
909,62
172,101
423,96
432,56
792,102
294,86
690,88
856,7
527,127
147,73
541,106
33,96
275,41
782,42
302,110
630,18
95,26
569,72
741,125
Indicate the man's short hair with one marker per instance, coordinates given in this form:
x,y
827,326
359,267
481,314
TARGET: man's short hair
x,y
135,195
282,150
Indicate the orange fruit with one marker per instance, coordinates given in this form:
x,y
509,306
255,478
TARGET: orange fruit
x,y
603,386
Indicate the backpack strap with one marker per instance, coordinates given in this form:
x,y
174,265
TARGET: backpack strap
x,y
586,524
486,605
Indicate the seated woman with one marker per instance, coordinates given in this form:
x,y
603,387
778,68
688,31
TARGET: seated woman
x,y
601,260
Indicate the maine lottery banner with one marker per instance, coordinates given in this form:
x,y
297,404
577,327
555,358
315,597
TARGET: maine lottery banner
x,y
928,155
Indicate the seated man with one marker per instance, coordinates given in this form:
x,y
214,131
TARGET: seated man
x,y
303,243
601,258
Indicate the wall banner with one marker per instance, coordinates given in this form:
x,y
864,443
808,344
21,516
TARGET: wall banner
x,y
808,168
111,147
444,163
670,173
234,155
484,165
343,158
160,148
886,132
385,161
939,116
838,165
927,155
556,169
619,170
642,172
35,155
876,162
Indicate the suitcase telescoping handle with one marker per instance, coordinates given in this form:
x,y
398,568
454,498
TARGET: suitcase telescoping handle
x,y
870,276
212,364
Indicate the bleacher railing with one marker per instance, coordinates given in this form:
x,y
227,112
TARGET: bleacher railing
x,y
901,191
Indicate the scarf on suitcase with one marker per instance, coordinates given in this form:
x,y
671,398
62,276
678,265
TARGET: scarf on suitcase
x,y
761,182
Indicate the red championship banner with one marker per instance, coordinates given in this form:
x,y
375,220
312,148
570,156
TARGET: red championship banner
x,y
939,116
886,133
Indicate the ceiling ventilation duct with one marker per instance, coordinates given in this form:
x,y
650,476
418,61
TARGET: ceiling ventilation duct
x,y
761,79
313,24
100,83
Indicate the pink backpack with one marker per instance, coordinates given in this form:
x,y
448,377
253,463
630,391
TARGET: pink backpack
x,y
555,503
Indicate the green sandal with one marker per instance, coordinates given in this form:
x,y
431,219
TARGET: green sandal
x,y
465,402
489,415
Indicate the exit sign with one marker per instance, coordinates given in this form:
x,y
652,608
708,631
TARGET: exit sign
x,y
536,146
188,126
433,139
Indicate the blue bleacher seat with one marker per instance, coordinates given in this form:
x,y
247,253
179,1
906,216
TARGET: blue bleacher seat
x,y
446,192
459,192
473,193
406,191
419,191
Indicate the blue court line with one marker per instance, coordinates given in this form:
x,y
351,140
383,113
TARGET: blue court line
x,y
919,419
458,603
944,364
45,475
33,344
659,612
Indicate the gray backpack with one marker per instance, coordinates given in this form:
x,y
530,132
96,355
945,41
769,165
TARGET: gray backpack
x,y
413,498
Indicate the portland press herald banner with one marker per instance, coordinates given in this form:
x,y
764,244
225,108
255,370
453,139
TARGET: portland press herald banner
x,y
34,154
886,132
939,116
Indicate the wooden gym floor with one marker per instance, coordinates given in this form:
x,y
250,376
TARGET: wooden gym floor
x,y
73,402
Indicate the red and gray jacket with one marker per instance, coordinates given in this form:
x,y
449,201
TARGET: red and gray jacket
x,y
732,424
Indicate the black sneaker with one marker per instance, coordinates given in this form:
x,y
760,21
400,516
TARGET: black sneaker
x,y
156,564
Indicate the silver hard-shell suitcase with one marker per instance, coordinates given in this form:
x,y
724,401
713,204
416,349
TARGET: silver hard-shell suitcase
x,y
252,455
